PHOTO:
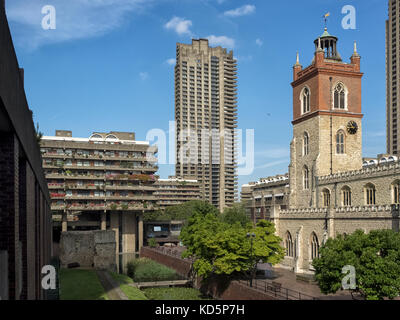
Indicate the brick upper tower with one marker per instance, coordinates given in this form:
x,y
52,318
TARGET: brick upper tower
x,y
326,119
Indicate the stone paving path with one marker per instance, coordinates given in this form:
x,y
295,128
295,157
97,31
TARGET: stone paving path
x,y
288,280
111,287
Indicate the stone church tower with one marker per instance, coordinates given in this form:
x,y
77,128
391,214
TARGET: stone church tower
x,y
327,136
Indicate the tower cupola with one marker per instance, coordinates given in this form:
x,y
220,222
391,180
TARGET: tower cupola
x,y
328,44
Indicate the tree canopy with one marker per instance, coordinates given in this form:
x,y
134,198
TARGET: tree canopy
x,y
236,213
375,257
221,248
181,211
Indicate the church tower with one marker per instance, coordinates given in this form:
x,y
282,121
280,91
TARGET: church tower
x,y
327,117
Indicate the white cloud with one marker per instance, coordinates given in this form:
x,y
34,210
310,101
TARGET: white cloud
x,y
75,19
179,25
242,11
144,75
259,42
171,61
222,41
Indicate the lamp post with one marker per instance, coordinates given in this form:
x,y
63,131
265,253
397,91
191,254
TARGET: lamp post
x,y
251,236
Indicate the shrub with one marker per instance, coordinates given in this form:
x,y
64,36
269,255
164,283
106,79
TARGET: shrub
x,y
152,243
146,270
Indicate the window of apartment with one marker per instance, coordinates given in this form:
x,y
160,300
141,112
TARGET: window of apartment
x,y
306,144
305,100
79,163
346,196
314,246
289,245
86,163
306,184
340,142
326,197
370,194
339,97
396,192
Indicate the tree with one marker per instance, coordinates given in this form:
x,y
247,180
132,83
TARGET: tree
x,y
236,213
220,248
182,211
374,256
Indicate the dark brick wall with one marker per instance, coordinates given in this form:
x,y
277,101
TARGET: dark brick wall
x,y
233,291
9,207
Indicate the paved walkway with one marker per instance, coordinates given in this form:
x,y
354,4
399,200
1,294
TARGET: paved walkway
x,y
111,286
287,279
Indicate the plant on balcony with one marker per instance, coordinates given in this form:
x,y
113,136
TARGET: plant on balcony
x,y
125,207
113,207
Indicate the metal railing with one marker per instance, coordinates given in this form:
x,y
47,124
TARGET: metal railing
x,y
274,289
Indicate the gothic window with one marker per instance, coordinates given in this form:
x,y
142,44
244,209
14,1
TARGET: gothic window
x,y
396,192
346,196
306,142
306,180
305,100
340,142
370,194
289,245
314,246
326,195
339,97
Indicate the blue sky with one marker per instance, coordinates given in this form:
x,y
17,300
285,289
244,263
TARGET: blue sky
x,y
108,64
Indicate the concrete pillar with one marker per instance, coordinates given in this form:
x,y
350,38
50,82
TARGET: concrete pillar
x,y
140,231
103,224
129,232
114,225
64,223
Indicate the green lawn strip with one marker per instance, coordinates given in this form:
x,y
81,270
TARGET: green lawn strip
x,y
79,284
131,292
173,294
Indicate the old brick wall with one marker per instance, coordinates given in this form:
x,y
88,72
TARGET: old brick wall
x,y
91,249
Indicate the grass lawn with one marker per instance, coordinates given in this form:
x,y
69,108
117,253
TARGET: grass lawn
x,y
78,284
174,294
131,292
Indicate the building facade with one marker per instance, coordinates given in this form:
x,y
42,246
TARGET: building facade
x,y
330,188
206,118
102,182
393,78
25,216
175,190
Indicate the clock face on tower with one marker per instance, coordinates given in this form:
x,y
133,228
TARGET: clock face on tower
x,y
352,127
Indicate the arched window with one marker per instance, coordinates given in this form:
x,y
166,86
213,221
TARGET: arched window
x,y
289,245
326,197
306,182
346,196
340,142
339,97
396,192
370,194
306,144
314,246
305,100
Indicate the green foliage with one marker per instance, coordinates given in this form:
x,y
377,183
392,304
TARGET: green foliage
x,y
181,212
236,213
173,294
152,243
375,257
224,249
78,284
145,270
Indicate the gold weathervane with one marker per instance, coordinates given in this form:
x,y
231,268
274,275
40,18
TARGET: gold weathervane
x,y
325,16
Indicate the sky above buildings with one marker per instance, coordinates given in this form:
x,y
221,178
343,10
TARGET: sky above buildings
x,y
109,64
